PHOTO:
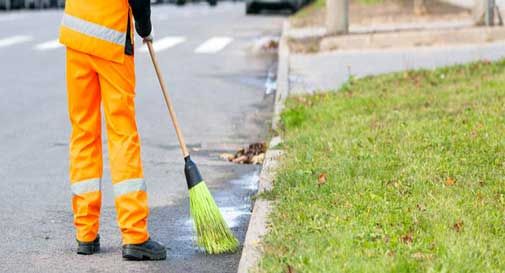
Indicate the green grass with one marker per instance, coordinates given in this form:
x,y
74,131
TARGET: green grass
x,y
320,4
317,6
371,2
310,9
415,176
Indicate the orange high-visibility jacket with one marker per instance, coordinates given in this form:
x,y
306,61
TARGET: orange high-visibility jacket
x,y
96,27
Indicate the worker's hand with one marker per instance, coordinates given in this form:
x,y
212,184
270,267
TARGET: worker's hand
x,y
148,38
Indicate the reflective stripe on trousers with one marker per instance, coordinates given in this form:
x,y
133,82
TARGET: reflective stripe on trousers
x,y
120,188
128,186
86,186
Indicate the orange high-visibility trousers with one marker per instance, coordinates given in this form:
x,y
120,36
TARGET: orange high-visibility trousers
x,y
92,82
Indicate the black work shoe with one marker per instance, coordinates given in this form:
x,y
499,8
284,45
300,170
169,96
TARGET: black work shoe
x,y
88,248
149,250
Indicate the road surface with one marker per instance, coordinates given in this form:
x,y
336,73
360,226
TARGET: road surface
x,y
217,85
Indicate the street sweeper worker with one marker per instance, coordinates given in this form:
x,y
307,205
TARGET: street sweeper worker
x,y
100,71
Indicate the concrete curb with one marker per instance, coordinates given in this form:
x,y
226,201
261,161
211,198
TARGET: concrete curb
x,y
258,224
252,251
282,91
414,39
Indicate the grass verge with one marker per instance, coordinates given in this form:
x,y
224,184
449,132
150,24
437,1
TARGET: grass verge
x,y
320,4
397,173
310,9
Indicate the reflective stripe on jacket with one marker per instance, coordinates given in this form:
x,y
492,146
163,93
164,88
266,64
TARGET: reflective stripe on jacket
x,y
96,27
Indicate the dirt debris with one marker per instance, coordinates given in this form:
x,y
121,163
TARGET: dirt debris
x,y
254,154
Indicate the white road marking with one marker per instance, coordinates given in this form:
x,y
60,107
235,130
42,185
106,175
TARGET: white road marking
x,y
11,17
53,44
165,43
162,17
14,40
213,45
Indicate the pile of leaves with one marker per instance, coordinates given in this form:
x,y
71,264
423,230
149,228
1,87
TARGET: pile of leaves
x,y
254,154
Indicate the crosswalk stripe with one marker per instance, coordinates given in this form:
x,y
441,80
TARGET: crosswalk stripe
x,y
14,40
11,17
165,43
52,44
213,45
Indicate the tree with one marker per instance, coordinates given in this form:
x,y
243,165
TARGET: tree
x,y
420,7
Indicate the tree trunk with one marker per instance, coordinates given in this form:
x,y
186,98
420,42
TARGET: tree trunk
x,y
337,17
420,7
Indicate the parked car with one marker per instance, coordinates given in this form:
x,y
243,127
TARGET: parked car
x,y
57,3
12,4
34,4
255,6
37,4
183,2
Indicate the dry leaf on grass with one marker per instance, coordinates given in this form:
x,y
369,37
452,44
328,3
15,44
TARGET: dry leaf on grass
x,y
450,181
421,256
407,238
321,180
458,226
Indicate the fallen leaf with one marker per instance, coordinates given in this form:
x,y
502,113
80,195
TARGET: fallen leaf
x,y
241,159
258,159
450,181
321,180
407,238
256,148
458,226
418,255
420,207
290,269
227,156
421,256
240,152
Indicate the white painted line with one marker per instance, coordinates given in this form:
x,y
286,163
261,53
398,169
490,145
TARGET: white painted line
x,y
213,45
53,44
11,17
165,43
162,17
14,40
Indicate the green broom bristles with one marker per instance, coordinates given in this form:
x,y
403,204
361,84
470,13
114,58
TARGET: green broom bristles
x,y
213,233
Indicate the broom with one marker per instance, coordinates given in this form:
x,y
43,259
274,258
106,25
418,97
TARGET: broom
x,y
213,234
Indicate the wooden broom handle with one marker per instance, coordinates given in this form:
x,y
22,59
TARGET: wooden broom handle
x,y
168,101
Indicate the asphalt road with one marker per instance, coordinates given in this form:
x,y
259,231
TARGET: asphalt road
x,y
217,85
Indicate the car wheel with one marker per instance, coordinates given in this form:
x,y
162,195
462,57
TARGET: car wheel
x,y
251,9
295,7
180,2
212,2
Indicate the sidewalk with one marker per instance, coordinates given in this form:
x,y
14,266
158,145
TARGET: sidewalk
x,y
383,49
329,70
